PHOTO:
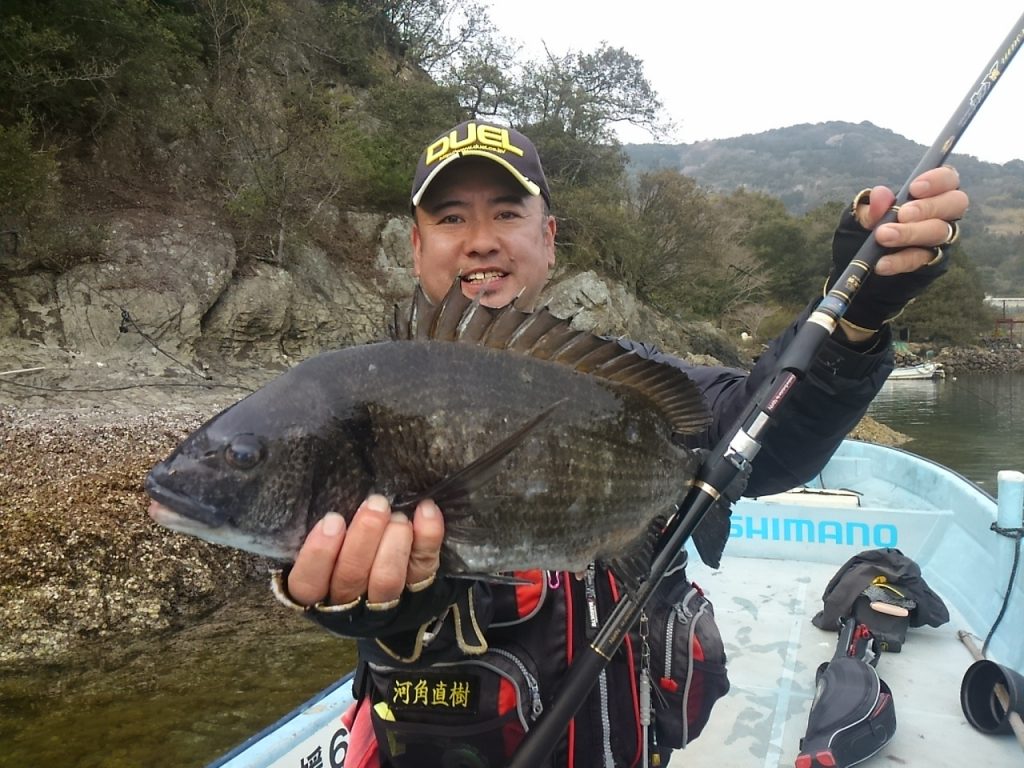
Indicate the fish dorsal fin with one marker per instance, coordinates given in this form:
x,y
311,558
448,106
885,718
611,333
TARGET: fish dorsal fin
x,y
545,336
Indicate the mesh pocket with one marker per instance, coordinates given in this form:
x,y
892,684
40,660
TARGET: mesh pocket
x,y
687,664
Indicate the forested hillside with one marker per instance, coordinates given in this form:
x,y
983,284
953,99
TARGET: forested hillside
x,y
275,117
807,165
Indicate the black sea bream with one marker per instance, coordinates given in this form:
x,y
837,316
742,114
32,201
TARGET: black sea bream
x,y
544,446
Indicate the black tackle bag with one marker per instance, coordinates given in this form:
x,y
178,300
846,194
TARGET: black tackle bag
x,y
852,715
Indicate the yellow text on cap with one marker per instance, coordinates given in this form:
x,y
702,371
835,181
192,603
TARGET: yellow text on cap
x,y
484,136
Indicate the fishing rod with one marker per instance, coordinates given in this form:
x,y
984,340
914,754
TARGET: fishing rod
x,y
735,452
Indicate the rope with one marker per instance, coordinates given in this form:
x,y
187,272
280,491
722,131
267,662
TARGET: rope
x,y
127,319
128,322
1012,533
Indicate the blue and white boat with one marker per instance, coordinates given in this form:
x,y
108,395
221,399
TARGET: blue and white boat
x,y
783,551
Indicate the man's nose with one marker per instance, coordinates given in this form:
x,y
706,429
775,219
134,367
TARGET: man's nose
x,y
482,238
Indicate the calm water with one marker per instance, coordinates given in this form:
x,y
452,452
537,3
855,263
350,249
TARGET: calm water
x,y
973,424
185,699
177,701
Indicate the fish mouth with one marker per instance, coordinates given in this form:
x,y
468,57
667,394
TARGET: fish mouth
x,y
168,518
183,506
217,534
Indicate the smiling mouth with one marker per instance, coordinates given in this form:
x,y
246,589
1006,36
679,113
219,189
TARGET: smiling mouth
x,y
484,276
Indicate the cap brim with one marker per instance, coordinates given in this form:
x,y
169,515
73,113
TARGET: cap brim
x,y
530,186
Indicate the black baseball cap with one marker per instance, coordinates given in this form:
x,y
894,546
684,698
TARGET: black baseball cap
x,y
474,138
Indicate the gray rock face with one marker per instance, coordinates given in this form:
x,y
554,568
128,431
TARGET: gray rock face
x,y
171,287
161,276
604,307
173,283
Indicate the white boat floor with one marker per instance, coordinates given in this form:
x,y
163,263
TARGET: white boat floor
x,y
764,609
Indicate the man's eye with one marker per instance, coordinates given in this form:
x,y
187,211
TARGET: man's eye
x,y
506,215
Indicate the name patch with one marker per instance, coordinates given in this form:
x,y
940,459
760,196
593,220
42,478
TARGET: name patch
x,y
431,691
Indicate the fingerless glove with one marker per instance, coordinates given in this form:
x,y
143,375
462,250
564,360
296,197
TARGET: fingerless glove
x,y
882,297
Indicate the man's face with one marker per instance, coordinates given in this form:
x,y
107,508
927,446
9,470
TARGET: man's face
x,y
476,221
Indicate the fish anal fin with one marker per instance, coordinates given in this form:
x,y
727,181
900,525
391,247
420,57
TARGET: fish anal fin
x,y
492,578
633,567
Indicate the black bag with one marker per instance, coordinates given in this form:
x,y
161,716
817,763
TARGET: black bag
x,y
852,715
687,664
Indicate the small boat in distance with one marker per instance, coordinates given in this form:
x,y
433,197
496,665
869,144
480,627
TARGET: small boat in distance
x,y
783,550
918,372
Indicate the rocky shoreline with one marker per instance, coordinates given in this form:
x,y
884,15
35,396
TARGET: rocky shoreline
x,y
82,561
981,360
959,360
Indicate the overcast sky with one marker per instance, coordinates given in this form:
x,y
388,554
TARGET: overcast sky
x,y
729,67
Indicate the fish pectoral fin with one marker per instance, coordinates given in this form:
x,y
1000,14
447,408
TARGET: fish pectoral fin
x,y
452,493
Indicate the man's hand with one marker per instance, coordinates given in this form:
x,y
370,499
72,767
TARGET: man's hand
x,y
923,223
375,556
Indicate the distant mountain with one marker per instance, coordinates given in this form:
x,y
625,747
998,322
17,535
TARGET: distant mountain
x,y
807,165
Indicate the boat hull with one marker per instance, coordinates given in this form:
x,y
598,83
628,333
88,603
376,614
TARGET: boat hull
x,y
919,372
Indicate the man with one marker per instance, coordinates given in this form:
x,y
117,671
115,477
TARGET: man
x,y
481,208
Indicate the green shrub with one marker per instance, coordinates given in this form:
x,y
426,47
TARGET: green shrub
x,y
27,176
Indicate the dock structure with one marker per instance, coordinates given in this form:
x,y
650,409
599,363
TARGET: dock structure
x,y
1010,323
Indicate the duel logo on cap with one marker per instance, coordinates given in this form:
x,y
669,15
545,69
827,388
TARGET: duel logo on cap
x,y
505,146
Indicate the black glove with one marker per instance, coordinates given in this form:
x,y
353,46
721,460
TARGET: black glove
x,y
882,297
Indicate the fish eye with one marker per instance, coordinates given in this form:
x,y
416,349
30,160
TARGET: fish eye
x,y
244,451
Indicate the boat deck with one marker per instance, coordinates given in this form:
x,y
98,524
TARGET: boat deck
x,y
764,609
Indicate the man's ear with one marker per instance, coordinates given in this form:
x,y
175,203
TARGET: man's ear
x,y
550,230
417,245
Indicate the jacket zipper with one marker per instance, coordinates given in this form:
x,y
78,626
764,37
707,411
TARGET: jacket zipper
x,y
537,706
606,736
688,618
